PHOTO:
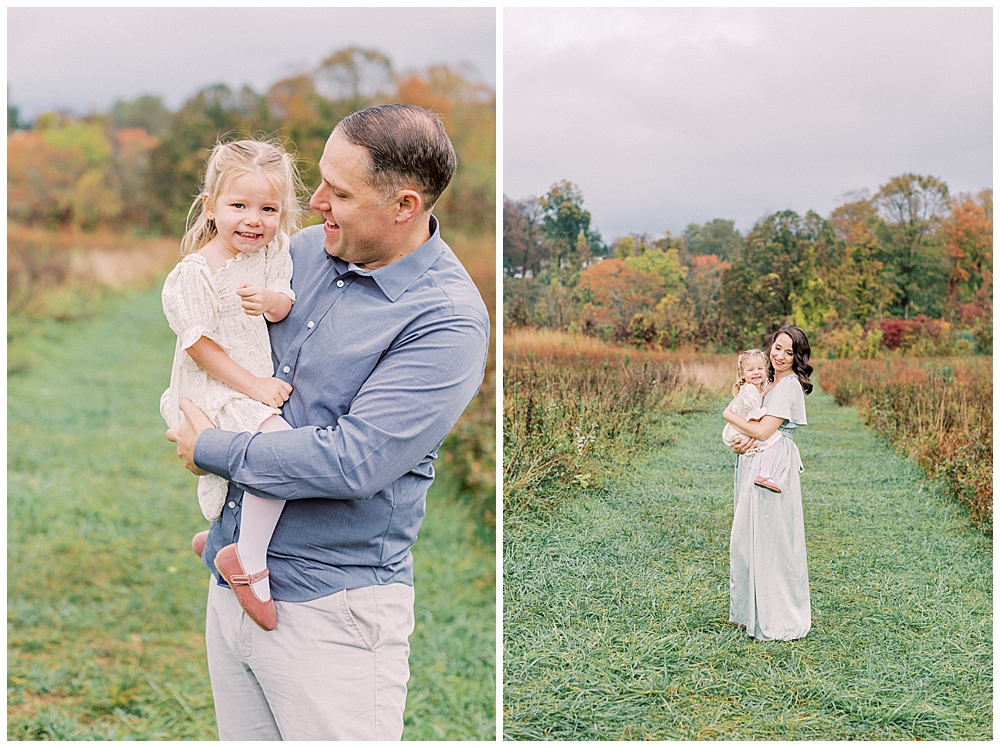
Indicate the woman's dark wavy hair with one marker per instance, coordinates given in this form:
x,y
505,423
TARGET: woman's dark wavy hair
x,y
800,351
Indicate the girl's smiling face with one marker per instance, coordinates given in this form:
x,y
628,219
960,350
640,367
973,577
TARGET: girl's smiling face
x,y
246,214
782,355
754,371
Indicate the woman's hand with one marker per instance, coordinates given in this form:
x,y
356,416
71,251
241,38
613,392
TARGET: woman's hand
x,y
742,444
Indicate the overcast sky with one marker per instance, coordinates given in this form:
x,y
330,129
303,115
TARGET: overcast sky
x,y
665,117
85,58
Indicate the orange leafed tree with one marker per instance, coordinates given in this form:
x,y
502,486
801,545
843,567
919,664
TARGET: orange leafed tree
x,y
970,251
614,293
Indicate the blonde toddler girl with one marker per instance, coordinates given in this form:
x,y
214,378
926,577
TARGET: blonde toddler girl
x,y
236,273
751,370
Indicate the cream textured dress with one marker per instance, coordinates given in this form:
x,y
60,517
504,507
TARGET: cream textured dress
x,y
200,303
748,404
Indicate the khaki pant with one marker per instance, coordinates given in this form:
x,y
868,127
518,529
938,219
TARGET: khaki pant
x,y
334,669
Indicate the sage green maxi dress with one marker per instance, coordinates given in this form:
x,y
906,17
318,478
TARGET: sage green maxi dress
x,y
768,577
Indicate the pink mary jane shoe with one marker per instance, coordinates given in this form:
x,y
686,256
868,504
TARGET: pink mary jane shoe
x,y
767,483
263,613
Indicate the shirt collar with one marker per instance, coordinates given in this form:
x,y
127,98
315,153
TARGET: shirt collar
x,y
396,277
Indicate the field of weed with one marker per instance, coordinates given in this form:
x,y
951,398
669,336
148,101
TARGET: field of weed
x,y
575,407
616,615
939,411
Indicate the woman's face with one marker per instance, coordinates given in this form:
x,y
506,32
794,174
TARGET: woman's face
x,y
782,354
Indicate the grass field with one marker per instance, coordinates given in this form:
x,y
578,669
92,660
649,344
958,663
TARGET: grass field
x,y
106,601
616,606
938,411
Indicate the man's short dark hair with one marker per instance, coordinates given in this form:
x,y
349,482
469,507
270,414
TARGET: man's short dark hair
x,y
406,145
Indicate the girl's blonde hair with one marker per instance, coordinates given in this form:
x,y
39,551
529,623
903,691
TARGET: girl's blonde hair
x,y
741,362
237,158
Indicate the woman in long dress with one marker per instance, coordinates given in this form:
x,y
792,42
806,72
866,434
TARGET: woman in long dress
x,y
768,576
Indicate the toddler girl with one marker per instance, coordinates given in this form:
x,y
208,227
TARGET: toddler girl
x,y
235,274
751,367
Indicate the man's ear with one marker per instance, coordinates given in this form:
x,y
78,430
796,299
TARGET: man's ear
x,y
411,205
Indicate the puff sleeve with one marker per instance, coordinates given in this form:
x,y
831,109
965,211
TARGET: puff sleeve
x,y
191,308
278,266
749,397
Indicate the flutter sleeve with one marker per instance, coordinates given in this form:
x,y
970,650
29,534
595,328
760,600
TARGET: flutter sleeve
x,y
787,401
278,270
190,304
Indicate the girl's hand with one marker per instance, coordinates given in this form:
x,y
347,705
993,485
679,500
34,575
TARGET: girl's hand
x,y
256,300
270,391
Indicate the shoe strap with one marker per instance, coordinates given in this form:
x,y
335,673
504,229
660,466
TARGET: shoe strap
x,y
249,578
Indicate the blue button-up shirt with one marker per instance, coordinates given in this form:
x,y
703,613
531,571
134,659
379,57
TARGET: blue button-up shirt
x,y
382,363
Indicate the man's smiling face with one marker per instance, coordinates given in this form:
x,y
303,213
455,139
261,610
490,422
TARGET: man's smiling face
x,y
357,226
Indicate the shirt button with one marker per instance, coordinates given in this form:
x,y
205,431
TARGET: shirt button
x,y
310,324
232,504
286,369
340,284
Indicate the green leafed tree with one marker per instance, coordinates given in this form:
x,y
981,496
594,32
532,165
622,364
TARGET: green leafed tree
x,y
718,237
911,208
775,280
145,112
859,288
564,218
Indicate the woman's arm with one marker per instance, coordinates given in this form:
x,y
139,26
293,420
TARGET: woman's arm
x,y
759,430
209,356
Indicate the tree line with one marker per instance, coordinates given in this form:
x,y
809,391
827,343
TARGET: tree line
x,y
137,166
909,268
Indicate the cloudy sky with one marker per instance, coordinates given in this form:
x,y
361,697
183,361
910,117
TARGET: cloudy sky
x,y
668,116
85,58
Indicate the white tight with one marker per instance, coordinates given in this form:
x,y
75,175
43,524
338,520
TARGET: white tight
x,y
766,461
258,519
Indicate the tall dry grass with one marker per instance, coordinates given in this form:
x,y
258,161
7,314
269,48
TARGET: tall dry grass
x,y
43,266
573,406
939,411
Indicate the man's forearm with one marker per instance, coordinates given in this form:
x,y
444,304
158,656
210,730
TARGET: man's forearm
x,y
401,414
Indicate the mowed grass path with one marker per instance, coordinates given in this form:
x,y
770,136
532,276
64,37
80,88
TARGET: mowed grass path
x,y
106,601
616,610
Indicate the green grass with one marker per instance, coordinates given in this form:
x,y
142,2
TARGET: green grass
x,y
616,610
106,602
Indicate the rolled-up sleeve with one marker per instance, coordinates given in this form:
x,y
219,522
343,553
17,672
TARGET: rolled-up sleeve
x,y
401,414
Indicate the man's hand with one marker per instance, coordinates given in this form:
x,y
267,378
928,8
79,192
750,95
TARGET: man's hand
x,y
742,444
256,300
186,435
270,391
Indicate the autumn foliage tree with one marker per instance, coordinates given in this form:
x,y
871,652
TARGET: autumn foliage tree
x,y
906,271
138,165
